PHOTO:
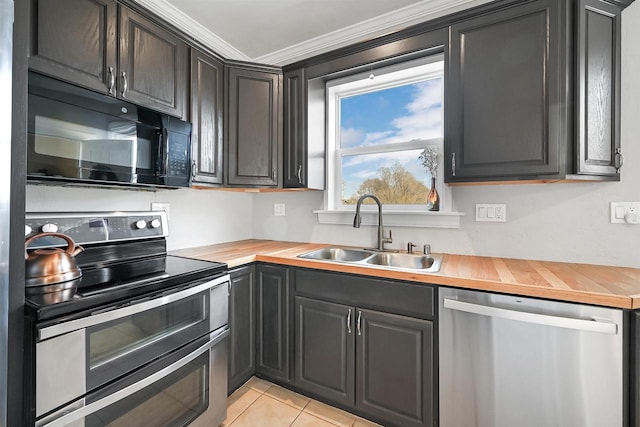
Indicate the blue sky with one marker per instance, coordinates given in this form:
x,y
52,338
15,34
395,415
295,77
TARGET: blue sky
x,y
398,114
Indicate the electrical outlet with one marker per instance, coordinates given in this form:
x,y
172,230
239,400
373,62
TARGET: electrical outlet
x,y
491,212
620,210
278,209
155,206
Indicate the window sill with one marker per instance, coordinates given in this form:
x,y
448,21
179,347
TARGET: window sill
x,y
419,219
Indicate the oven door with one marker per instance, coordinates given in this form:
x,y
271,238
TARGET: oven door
x,y
185,388
80,355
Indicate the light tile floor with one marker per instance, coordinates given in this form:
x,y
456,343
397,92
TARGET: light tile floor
x,y
259,403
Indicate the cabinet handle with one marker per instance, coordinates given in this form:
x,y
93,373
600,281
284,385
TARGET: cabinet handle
x,y
349,322
619,159
453,164
359,323
112,80
273,174
125,84
299,174
194,168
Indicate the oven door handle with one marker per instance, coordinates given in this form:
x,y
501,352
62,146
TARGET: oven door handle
x,y
118,313
64,417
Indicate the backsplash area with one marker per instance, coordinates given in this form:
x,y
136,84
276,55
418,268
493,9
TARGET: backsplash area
x,y
197,217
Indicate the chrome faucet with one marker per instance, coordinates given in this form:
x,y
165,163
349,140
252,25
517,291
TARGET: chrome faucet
x,y
357,220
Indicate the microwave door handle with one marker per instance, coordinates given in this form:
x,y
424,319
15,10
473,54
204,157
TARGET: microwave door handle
x,y
163,153
165,148
93,407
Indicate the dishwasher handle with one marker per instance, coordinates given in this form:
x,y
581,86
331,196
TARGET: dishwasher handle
x,y
594,325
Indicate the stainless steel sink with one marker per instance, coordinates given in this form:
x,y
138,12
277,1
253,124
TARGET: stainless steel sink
x,y
406,261
364,258
338,254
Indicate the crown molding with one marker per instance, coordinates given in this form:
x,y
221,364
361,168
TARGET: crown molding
x,y
185,23
374,27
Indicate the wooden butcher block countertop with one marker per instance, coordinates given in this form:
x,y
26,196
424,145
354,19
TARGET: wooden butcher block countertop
x,y
583,283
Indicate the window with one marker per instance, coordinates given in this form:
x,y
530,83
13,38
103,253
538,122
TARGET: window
x,y
376,129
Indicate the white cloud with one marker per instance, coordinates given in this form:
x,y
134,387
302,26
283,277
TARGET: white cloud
x,y
423,121
350,137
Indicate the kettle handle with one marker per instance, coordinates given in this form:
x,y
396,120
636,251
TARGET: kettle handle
x,y
72,248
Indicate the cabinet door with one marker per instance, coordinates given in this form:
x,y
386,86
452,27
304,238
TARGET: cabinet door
x,y
242,350
273,322
324,354
75,40
295,141
153,65
254,127
504,87
394,376
598,84
206,117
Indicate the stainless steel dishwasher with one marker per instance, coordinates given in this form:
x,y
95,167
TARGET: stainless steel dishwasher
x,y
508,361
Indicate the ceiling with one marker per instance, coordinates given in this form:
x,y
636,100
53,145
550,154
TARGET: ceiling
x,y
280,32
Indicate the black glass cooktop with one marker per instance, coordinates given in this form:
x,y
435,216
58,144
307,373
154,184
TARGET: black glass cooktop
x,y
103,285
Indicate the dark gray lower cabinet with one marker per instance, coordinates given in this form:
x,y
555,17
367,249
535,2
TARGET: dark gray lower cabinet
x,y
394,373
324,349
242,321
273,299
379,363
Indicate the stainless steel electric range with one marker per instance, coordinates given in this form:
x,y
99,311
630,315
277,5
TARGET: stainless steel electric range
x,y
140,339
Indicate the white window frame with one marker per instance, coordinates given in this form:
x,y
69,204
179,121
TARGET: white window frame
x,y
400,74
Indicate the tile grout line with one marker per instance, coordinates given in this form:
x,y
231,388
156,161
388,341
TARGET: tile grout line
x,y
294,420
251,404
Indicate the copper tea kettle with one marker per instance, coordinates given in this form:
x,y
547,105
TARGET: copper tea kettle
x,y
50,266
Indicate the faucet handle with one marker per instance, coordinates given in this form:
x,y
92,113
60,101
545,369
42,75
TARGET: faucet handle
x,y
410,247
426,249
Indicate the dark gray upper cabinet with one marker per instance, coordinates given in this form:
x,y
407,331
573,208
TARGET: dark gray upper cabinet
x,y
153,65
273,330
242,350
295,141
533,93
75,40
254,126
207,118
324,362
598,88
85,42
303,148
394,374
503,90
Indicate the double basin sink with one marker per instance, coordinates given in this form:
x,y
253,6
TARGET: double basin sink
x,y
367,258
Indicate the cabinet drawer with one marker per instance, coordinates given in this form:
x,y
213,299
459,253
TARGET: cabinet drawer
x,y
410,299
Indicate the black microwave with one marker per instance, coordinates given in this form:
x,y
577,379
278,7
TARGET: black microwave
x,y
77,136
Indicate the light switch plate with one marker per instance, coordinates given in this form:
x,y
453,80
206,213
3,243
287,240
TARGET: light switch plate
x,y
491,212
278,209
619,210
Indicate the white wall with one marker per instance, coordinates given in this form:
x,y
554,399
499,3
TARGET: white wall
x,y
559,222
197,217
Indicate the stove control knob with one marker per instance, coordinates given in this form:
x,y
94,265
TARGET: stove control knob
x,y
155,223
140,224
27,230
49,228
